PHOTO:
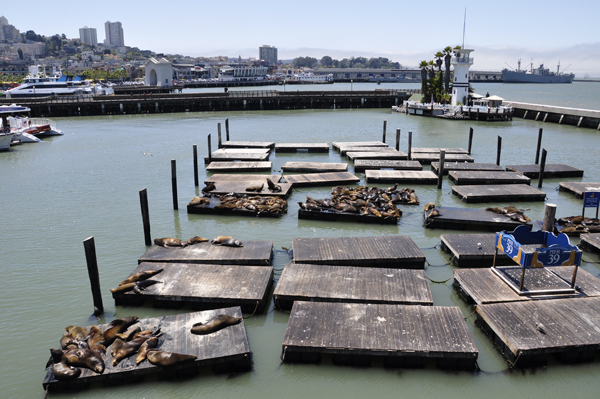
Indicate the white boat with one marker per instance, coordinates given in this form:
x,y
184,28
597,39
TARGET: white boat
x,y
5,139
309,77
24,129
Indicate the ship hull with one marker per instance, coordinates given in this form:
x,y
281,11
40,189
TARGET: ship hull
x,y
521,77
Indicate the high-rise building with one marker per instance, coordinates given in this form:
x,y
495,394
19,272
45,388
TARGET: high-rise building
x,y
114,34
8,32
268,54
88,36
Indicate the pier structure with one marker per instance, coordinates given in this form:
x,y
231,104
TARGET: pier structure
x,y
461,62
553,114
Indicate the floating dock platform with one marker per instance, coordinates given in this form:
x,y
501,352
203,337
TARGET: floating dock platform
x,y
498,193
404,335
321,179
253,253
348,284
314,167
401,176
429,157
464,177
550,170
302,147
380,251
360,165
470,219
397,155
203,287
248,144
229,177
226,350
344,150
590,242
437,150
238,154
238,183
578,188
471,166
211,209
338,216
466,251
338,144
238,166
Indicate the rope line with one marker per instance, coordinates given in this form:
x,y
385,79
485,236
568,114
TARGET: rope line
x,y
475,310
256,307
438,282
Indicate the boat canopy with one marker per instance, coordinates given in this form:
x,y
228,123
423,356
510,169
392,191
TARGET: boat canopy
x,y
63,78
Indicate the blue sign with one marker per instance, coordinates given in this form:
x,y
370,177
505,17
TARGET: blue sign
x,y
591,199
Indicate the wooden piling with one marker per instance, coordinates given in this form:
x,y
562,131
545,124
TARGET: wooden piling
x,y
542,167
470,140
92,265
227,129
499,150
397,139
539,145
384,127
220,144
145,216
209,149
174,183
441,169
195,165
549,216
409,145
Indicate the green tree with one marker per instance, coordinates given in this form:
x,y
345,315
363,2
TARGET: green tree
x,y
424,65
447,60
20,52
326,61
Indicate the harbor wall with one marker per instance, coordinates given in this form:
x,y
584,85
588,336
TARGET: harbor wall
x,y
554,114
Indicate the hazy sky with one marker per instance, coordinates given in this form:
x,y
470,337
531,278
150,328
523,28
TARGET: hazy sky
x,y
407,32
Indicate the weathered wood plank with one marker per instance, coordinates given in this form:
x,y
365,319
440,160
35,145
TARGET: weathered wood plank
x,y
473,250
393,154
462,177
237,156
229,177
550,170
449,166
327,215
248,144
239,187
578,188
314,167
346,149
360,165
238,166
302,147
437,150
590,242
470,218
337,144
401,176
498,192
321,179
429,157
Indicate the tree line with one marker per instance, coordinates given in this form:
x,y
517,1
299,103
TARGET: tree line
x,y
352,62
435,85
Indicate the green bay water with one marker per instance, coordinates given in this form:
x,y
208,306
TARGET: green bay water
x,y
57,193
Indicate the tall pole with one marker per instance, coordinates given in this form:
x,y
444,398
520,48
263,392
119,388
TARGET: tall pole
x,y
384,127
409,144
227,128
470,139
220,144
441,169
92,265
397,139
499,150
145,216
539,145
174,183
542,168
195,165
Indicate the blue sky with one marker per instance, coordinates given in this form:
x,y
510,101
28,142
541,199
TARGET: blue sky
x,y
407,32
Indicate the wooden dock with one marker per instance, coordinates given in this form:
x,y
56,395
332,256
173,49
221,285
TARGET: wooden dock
x,y
578,188
472,166
429,157
498,193
321,179
463,177
380,251
237,156
571,329
239,187
226,350
238,166
302,147
482,286
344,150
314,167
470,219
248,144
203,287
404,335
360,165
397,155
338,144
214,208
253,253
437,150
550,170
401,176
348,284
467,252
229,177
329,215
590,242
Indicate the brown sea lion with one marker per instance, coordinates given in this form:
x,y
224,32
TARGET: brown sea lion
x,y
227,241
141,276
162,358
196,240
272,186
209,187
127,335
123,288
142,285
147,346
77,332
67,342
114,348
130,347
215,324
199,201
85,358
116,326
428,206
61,369
170,242
256,188
95,340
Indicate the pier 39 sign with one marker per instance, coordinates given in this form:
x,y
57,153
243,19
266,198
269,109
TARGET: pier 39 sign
x,y
591,199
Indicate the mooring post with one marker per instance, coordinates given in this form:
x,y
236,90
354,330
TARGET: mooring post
x,y
195,165
542,168
145,216
209,150
92,265
441,168
409,145
397,139
227,129
174,183
539,145
499,150
220,144
470,139
384,127
549,216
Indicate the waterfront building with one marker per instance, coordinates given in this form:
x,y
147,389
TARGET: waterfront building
x,y
268,54
243,73
88,36
158,72
370,73
462,61
114,34
192,72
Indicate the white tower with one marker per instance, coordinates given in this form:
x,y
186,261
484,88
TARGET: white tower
x,y
462,61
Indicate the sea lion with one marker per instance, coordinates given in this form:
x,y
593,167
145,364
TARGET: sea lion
x,y
215,324
85,358
67,342
142,285
130,347
272,186
127,335
227,241
116,326
170,242
256,188
147,346
199,201
78,333
162,358
196,240
61,369
114,348
123,288
141,276
95,340
209,187
428,206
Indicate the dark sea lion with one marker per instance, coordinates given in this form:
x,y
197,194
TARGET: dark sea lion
x,y
85,358
272,186
127,335
142,285
114,348
130,347
95,340
141,276
215,324
67,342
62,371
147,346
209,187
123,288
170,242
196,240
162,358
116,326
232,242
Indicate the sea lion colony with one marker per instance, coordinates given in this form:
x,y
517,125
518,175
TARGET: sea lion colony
x,y
123,339
513,213
575,225
244,202
363,200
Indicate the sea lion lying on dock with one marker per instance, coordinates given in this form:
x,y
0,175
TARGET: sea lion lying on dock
x,y
117,326
196,240
128,348
272,186
146,347
85,358
209,187
146,274
256,188
142,285
163,358
215,324
61,369
199,201
170,242
227,241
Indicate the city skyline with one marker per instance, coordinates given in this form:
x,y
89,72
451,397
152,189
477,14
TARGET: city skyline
x,y
407,33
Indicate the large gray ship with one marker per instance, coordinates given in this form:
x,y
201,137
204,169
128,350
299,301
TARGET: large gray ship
x,y
537,75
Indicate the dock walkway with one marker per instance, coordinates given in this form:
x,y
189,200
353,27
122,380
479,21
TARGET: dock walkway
x,y
550,170
578,188
248,144
238,166
360,165
302,147
498,192
473,166
466,251
314,167
321,179
470,218
401,176
393,154
338,144
464,177
590,242
429,157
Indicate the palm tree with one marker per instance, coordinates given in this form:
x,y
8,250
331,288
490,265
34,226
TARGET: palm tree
x,y
447,59
423,65
438,60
